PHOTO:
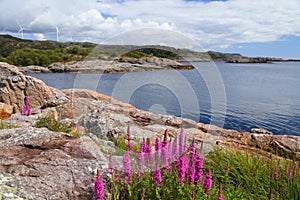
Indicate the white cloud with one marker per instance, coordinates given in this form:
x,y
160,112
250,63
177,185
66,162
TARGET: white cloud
x,y
215,24
39,36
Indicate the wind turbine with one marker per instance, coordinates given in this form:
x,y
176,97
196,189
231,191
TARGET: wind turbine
x,y
4,31
21,30
57,32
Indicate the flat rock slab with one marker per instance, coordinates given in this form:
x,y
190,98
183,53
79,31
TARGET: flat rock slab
x,y
48,165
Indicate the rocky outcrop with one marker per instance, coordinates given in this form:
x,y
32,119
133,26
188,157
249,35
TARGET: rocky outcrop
x,y
261,131
48,165
117,66
34,69
244,59
14,86
40,164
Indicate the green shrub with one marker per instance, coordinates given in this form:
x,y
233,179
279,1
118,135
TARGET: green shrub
x,y
44,57
135,54
57,126
121,143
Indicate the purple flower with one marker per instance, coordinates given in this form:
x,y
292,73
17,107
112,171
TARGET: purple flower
x,y
182,147
117,177
110,165
290,171
127,167
270,194
22,111
191,173
157,150
276,173
98,186
157,144
26,110
227,170
198,167
165,156
182,168
207,184
148,154
175,151
157,177
26,101
140,162
192,150
143,146
143,193
220,196
170,149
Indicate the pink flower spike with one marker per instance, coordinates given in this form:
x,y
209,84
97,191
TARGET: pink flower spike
x,y
182,168
157,149
117,177
220,196
143,194
157,144
143,146
26,101
270,195
148,154
192,150
157,177
110,166
175,151
198,167
207,185
140,162
182,147
98,186
227,170
127,167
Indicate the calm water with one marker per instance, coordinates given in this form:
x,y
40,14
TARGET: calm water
x,y
235,96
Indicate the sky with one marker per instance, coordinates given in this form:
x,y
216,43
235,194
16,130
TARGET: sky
x,y
250,27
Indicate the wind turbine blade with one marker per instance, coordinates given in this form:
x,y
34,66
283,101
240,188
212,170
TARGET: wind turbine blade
x,y
19,24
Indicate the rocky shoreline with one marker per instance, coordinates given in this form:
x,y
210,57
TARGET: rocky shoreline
x,y
36,163
120,65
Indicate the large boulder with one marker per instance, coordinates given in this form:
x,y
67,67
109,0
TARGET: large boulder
x,y
14,86
41,164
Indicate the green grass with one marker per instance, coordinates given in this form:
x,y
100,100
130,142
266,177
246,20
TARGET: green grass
x,y
251,175
57,126
121,144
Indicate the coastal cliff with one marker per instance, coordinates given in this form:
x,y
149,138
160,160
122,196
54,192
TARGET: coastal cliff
x,y
36,163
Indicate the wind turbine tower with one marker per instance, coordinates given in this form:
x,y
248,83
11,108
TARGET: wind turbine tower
x,y
57,34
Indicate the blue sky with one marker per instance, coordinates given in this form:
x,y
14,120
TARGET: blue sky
x,y
250,27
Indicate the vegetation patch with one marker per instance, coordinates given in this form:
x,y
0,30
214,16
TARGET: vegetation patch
x,y
57,126
173,170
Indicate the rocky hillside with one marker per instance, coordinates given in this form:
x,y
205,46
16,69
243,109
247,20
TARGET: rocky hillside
x,y
36,163
43,53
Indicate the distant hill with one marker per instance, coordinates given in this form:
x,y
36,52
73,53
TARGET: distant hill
x,y
32,52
